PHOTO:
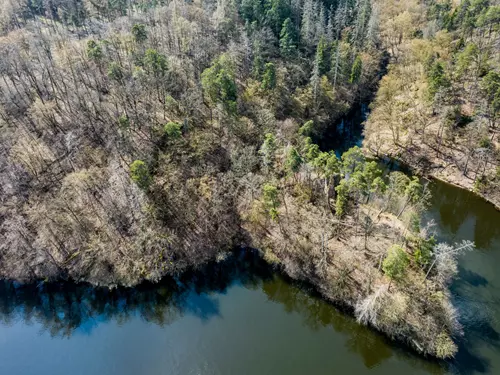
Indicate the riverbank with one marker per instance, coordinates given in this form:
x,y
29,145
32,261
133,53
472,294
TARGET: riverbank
x,y
235,318
437,108
447,173
255,323
346,264
344,258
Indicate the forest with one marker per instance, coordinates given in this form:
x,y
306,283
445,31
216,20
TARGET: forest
x,y
140,139
438,109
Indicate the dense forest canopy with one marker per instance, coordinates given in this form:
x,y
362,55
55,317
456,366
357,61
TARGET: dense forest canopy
x,y
128,127
140,138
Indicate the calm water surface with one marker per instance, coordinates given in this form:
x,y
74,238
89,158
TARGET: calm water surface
x,y
238,318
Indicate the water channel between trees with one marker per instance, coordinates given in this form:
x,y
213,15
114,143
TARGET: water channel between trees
x,y
239,317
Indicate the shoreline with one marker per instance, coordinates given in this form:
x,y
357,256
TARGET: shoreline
x,y
458,186
432,176
264,269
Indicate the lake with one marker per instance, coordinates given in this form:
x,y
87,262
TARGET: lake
x,y
240,317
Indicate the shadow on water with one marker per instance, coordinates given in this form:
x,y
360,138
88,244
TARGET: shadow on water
x,y
63,309
462,215
471,277
373,347
478,332
344,133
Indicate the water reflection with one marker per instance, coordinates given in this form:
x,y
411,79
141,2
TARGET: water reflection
x,y
464,215
373,348
344,133
476,291
65,308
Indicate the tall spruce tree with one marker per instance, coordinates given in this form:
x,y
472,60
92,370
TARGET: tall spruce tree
x,y
269,77
357,69
288,39
322,57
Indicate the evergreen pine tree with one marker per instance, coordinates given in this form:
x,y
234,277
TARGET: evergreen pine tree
x,y
278,12
269,77
322,57
288,44
356,70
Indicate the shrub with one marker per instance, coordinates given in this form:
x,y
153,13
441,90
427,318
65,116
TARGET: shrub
x,y
445,347
173,130
139,173
396,262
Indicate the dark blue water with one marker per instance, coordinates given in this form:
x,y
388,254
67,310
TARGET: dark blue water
x,y
345,133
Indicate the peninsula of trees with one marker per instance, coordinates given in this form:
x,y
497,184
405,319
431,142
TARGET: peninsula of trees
x,y
140,138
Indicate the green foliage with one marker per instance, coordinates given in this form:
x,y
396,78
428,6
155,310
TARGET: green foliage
x,y
326,164
155,63
252,10
466,16
396,262
307,129
491,87
139,173
332,165
352,160
173,130
311,151
271,200
278,11
437,78
269,77
219,84
466,57
115,71
293,160
342,199
357,184
485,142
94,50
414,224
288,39
490,18
139,32
378,186
257,66
123,122
414,190
322,57
341,67
398,182
372,172
357,69
424,251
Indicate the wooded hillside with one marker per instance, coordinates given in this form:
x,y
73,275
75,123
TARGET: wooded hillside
x,y
130,130
140,138
438,109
